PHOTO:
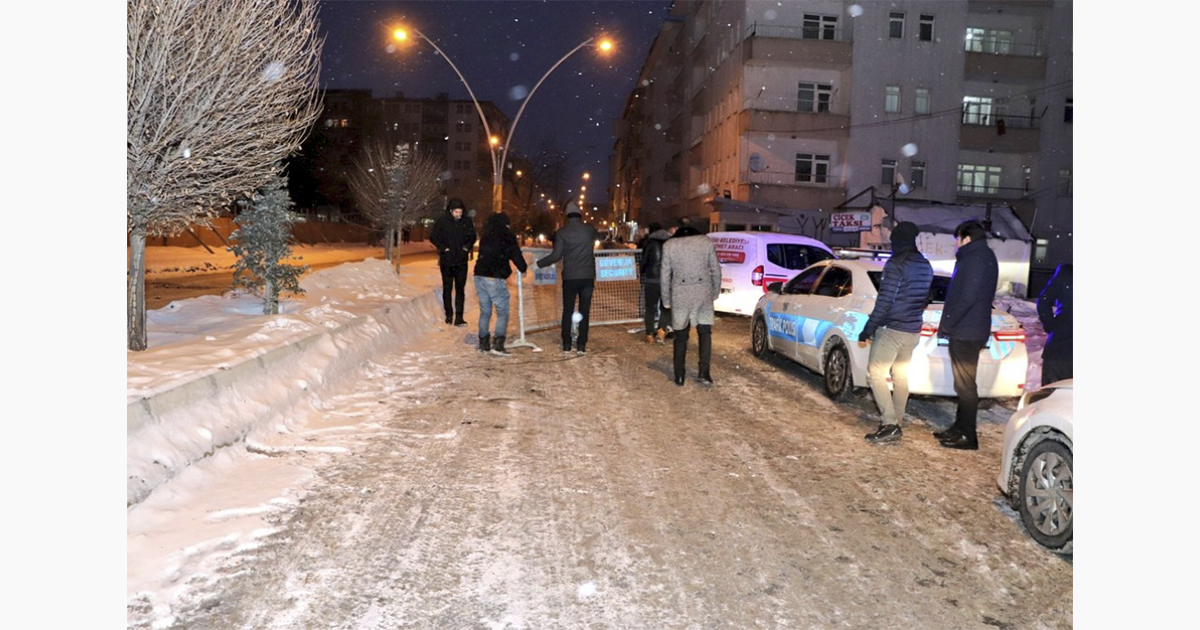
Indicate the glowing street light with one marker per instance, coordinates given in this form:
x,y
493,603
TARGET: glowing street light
x,y
605,45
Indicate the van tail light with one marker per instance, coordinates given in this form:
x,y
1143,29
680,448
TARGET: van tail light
x,y
756,278
1010,335
928,330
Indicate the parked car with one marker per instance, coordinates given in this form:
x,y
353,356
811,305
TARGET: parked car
x,y
815,318
750,261
1036,468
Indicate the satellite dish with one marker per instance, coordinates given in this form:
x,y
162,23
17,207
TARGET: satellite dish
x,y
755,162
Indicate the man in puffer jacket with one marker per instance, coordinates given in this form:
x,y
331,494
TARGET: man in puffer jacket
x,y
453,235
652,282
894,328
498,250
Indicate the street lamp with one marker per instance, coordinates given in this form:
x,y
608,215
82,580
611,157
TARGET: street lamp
x,y
604,45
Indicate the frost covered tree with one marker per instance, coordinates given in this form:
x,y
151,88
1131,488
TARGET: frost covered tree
x,y
262,242
220,92
395,188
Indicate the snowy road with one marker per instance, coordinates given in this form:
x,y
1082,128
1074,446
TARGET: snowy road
x,y
551,491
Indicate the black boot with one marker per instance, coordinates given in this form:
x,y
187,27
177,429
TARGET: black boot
x,y
704,332
485,342
498,347
680,356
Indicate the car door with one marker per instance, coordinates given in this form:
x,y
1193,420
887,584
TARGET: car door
x,y
824,307
783,319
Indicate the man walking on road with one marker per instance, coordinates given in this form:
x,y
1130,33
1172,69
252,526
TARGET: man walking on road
x,y
894,328
453,236
967,322
573,244
651,270
691,282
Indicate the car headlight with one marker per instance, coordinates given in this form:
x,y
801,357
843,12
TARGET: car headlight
x,y
1031,397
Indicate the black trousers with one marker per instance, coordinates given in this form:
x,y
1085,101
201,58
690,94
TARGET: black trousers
x,y
454,277
964,363
572,290
704,334
652,295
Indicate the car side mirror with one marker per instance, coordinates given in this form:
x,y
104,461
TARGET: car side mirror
x,y
775,287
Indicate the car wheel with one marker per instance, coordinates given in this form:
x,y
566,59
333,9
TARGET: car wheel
x,y
758,336
837,371
1046,497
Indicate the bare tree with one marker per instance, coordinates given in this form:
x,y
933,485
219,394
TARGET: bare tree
x,y
219,91
394,188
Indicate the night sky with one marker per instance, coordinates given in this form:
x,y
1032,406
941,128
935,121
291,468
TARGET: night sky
x,y
502,48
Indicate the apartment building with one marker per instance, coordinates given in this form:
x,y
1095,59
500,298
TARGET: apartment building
x,y
749,111
449,129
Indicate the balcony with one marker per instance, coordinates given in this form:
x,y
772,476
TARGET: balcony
x,y
815,47
992,58
988,193
775,115
781,178
1000,133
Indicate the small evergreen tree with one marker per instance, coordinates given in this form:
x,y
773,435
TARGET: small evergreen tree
x,y
262,242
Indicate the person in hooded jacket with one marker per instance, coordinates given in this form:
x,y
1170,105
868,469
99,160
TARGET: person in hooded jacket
x,y
691,282
1054,308
967,323
573,245
656,317
498,250
894,328
453,235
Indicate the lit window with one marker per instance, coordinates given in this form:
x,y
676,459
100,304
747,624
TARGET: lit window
x,y
989,40
891,102
896,25
978,179
921,105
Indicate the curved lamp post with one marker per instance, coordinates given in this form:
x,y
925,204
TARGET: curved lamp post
x,y
498,161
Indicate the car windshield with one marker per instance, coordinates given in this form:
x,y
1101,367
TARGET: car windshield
x,y
937,291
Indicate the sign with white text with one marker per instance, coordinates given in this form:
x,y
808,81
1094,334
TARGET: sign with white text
x,y
616,268
850,222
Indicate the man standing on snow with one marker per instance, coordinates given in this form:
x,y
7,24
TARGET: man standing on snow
x,y
651,269
894,328
573,244
967,322
498,250
691,282
453,236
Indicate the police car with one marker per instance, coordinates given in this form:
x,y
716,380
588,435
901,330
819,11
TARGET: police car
x,y
815,318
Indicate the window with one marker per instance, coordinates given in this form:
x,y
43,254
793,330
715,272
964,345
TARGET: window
x,y
1066,183
802,283
921,105
917,179
1041,247
977,110
1068,112
814,97
793,256
896,25
819,26
888,173
925,28
977,179
835,283
989,40
891,99
812,168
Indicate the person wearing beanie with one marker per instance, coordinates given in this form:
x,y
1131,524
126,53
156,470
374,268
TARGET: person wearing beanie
x,y
498,251
894,328
967,323
573,245
453,235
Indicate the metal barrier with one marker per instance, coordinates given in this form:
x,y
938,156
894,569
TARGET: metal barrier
x,y
617,298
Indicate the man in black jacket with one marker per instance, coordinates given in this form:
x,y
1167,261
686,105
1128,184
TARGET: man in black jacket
x,y
967,322
453,236
1054,307
894,328
651,269
573,245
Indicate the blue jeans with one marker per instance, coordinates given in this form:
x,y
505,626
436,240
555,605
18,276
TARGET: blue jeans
x,y
492,292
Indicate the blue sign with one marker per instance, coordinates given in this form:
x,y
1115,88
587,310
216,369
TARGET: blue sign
x,y
616,268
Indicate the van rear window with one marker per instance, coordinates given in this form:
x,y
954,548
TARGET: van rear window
x,y
793,256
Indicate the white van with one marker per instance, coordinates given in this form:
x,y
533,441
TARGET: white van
x,y
752,260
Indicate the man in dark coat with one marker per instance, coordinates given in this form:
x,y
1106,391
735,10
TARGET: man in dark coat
x,y
691,282
894,328
651,269
453,236
1054,308
498,250
967,322
573,245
